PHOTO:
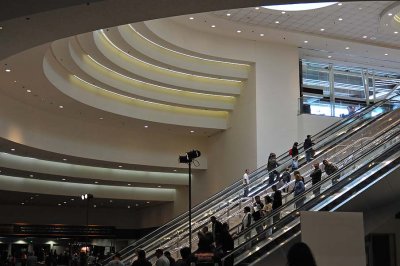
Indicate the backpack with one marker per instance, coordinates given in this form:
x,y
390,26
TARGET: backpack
x,y
290,152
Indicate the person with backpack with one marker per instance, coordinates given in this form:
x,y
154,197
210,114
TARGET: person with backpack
x,y
294,152
330,168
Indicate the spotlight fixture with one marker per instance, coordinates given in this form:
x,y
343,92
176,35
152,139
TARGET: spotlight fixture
x,y
190,155
28,91
262,34
228,15
191,18
365,37
347,48
212,26
305,41
396,32
86,196
322,29
238,31
12,149
8,70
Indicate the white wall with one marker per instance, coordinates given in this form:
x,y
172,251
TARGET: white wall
x,y
312,124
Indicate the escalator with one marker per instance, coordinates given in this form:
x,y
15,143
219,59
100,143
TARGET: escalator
x,y
358,172
349,134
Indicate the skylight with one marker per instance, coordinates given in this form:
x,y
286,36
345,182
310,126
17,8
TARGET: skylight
x,y
300,7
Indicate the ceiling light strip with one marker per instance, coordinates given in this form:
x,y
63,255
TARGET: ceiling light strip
x,y
180,53
151,84
162,68
215,113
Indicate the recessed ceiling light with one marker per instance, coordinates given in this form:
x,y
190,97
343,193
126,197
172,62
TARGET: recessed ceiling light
x,y
31,197
63,179
390,14
146,126
347,48
283,12
96,182
129,184
28,91
110,200
257,8
212,26
64,159
191,131
59,204
305,41
277,22
373,38
120,166
65,202
365,37
329,56
94,206
158,186
262,34
72,199
12,149
30,175
339,4
386,54
386,24
322,29
191,18
229,14
8,70
360,8
1,28
61,107
136,204
147,202
396,32
175,170
15,81
340,19
129,206
101,118
22,203
238,31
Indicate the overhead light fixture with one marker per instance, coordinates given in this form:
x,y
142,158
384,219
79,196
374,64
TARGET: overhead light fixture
x,y
329,56
22,203
110,200
119,166
12,149
390,14
212,26
340,19
30,175
305,41
158,186
61,107
8,70
94,206
300,7
262,34
59,204
28,91
322,29
147,202
64,159
229,14
191,131
339,4
136,204
283,12
72,199
86,196
277,22
63,179
257,8
175,170
386,54
101,118
65,202
238,31
365,37
129,206
129,184
373,38
1,28
396,32
146,126
191,18
347,48
96,182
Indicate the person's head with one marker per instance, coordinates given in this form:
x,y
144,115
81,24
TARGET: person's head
x,y
213,219
141,254
159,252
117,256
287,169
316,166
185,253
167,254
309,136
267,199
296,173
246,209
325,162
300,255
246,171
295,144
257,198
204,229
274,188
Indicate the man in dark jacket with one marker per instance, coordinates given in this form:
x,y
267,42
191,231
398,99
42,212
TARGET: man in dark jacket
x,y
216,227
308,148
271,165
330,168
316,177
277,202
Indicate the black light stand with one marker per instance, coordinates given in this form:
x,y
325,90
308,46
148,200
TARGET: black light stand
x,y
188,158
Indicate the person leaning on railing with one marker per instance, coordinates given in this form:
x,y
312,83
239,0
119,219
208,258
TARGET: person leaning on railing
x,y
329,169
